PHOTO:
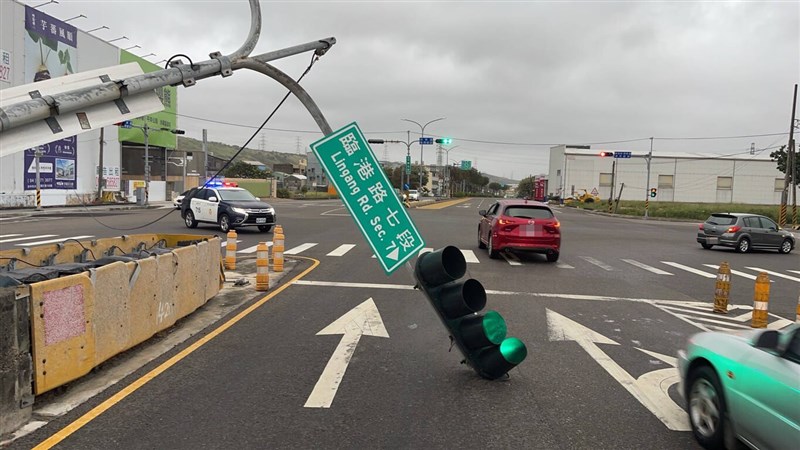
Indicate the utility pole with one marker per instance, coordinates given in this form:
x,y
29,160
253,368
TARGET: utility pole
x,y
37,155
647,187
789,168
100,168
146,129
205,157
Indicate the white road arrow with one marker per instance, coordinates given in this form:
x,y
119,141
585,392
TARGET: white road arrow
x,y
364,319
650,389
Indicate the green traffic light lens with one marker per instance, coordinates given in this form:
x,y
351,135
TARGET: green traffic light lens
x,y
513,350
494,327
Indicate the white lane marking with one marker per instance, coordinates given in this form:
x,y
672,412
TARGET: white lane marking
x,y
706,321
425,250
779,324
597,263
333,213
689,269
470,257
8,235
254,248
735,272
511,258
633,262
794,271
28,237
777,274
51,241
300,248
562,265
341,250
355,285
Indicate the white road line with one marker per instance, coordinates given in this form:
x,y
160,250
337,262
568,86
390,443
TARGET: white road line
x,y
51,241
341,250
254,248
779,324
28,237
511,258
735,272
425,250
469,255
300,248
707,313
777,274
8,235
562,265
743,317
794,271
597,263
633,262
689,269
710,321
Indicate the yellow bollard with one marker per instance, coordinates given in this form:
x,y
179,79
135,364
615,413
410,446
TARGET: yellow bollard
x,y
278,229
723,289
277,252
760,301
262,267
230,251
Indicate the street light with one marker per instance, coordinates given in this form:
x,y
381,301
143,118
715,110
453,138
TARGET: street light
x,y
422,135
45,4
121,37
447,167
98,28
132,46
148,55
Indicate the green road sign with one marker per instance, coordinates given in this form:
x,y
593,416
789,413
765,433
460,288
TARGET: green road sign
x,y
368,195
466,165
408,164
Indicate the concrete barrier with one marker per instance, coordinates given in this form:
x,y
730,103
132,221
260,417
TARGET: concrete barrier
x,y
79,321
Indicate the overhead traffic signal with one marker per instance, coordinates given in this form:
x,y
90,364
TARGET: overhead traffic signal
x,y
446,141
653,192
604,154
481,338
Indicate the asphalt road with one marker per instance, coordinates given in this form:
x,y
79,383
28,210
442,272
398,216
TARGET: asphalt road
x,y
624,297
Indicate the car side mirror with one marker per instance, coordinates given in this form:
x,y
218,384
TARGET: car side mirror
x,y
482,212
212,199
767,340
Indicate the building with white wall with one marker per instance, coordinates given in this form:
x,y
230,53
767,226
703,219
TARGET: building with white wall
x,y
702,178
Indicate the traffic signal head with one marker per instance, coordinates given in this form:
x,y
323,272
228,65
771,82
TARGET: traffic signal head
x,y
376,141
604,154
480,337
653,192
446,141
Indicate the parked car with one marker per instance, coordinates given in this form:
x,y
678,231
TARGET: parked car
x,y
413,194
744,232
520,225
228,207
177,202
744,386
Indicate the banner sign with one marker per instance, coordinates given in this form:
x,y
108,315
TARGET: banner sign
x,y
57,165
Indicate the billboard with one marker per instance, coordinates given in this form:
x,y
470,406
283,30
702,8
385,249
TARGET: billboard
x,y
50,51
164,119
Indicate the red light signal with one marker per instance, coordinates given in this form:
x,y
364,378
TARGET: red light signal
x,y
604,154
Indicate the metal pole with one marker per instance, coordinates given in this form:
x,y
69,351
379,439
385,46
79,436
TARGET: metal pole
x,y
647,185
205,157
789,169
146,129
183,183
100,168
38,154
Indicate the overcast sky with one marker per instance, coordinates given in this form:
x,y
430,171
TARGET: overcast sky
x,y
511,78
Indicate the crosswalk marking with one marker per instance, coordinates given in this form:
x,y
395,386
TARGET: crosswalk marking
x,y
563,265
794,271
735,272
342,250
300,248
425,250
52,241
8,235
254,248
597,263
777,274
511,258
689,269
41,236
655,270
470,257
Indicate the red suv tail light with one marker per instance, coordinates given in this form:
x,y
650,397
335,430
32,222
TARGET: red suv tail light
x,y
504,222
733,229
702,226
552,227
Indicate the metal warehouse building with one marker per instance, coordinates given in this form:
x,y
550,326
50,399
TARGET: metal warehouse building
x,y
686,177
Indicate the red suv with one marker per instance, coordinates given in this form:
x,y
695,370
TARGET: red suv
x,y
518,224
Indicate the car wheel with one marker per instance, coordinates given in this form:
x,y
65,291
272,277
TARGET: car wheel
x,y
189,219
552,256
743,246
706,408
480,242
786,246
264,228
493,254
224,223
706,246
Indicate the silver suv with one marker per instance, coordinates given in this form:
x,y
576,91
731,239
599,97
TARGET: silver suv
x,y
744,232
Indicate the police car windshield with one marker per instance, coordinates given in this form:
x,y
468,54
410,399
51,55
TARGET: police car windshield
x,y
236,194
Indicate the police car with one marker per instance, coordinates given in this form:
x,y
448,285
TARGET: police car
x,y
228,207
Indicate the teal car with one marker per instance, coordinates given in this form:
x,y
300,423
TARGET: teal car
x,y
743,386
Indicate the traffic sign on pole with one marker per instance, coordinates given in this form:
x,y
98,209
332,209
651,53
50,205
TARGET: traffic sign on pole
x,y
622,154
466,165
367,193
408,164
425,141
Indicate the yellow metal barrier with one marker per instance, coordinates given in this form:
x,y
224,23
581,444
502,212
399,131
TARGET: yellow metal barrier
x,y
723,289
761,301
